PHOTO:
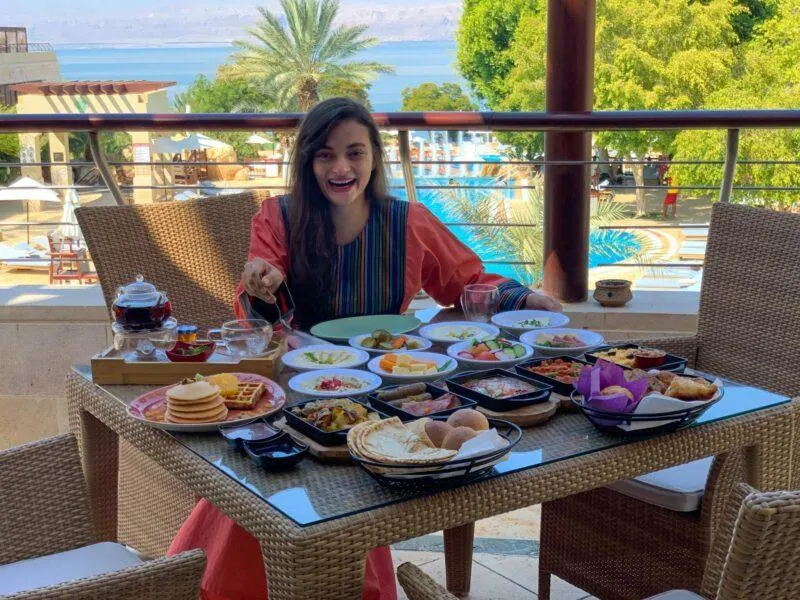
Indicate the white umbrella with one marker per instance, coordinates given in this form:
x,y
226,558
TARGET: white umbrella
x,y
166,145
257,139
206,142
26,189
69,222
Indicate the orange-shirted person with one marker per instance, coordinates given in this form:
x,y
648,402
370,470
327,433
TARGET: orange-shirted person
x,y
670,199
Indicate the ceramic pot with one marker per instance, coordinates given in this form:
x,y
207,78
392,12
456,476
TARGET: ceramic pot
x,y
613,292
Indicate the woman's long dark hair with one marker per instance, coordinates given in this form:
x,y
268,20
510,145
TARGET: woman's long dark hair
x,y
311,230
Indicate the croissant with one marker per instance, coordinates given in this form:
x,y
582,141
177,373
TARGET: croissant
x,y
685,388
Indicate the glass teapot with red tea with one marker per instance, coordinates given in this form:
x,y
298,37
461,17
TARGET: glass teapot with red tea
x,y
139,305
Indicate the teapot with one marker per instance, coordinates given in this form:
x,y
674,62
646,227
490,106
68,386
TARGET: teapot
x,y
140,306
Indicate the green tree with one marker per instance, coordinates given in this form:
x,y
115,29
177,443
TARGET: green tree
x,y
222,95
754,13
307,57
9,150
429,96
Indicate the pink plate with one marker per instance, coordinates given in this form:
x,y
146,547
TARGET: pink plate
x,y
149,408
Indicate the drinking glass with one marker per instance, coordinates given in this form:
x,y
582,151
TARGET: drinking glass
x,y
479,301
243,337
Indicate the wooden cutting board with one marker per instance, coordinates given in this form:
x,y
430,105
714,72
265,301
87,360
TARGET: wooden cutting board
x,y
527,416
336,454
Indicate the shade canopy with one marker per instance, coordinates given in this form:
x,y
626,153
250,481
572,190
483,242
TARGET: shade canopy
x,y
257,139
69,222
195,141
27,189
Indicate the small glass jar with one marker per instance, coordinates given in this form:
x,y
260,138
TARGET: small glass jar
x,y
187,334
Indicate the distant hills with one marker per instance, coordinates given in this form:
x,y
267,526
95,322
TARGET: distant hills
x,y
222,24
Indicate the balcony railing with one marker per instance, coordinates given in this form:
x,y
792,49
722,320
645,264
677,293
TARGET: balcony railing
x,y
417,178
25,48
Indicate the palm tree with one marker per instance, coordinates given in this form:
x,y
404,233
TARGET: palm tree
x,y
308,58
525,241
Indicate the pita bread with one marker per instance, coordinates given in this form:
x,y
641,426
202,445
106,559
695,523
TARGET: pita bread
x,y
418,427
391,442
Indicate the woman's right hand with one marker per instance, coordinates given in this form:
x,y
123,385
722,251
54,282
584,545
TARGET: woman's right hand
x,y
261,279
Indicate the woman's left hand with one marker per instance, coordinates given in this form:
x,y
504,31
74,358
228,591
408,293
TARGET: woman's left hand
x,y
541,302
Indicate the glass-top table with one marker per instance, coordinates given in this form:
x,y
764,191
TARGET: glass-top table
x,y
316,492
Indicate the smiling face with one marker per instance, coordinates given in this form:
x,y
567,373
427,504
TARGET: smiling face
x,y
343,166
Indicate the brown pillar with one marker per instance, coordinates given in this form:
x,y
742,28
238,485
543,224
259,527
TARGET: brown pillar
x,y
570,82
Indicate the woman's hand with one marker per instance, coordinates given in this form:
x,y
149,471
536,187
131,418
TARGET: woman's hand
x,y
261,279
536,301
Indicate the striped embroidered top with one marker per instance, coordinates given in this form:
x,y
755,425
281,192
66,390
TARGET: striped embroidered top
x,y
402,249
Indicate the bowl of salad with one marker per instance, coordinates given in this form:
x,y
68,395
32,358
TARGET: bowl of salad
x,y
492,353
517,322
558,341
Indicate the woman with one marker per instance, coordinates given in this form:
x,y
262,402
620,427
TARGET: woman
x,y
344,248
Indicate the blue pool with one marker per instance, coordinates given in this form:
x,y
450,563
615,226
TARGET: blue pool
x,y
605,246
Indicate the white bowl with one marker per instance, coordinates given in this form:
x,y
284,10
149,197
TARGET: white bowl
x,y
486,364
507,321
592,339
442,332
297,359
440,359
355,342
371,382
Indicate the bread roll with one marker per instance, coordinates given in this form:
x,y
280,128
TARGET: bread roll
x,y
467,417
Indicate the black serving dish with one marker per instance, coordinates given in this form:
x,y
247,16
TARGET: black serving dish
x,y
559,387
416,477
277,454
673,363
259,430
434,391
540,394
326,438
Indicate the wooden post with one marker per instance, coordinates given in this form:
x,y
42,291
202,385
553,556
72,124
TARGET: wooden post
x,y
570,82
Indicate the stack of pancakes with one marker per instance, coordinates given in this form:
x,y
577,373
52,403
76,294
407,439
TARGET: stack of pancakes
x,y
195,402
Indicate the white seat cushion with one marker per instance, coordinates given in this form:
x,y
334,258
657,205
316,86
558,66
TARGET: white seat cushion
x,y
66,566
676,595
677,488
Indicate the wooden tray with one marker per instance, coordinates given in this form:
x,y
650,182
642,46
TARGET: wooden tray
x,y
527,416
110,368
334,454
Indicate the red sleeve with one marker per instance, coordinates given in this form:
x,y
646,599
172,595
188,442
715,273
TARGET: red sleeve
x,y
439,263
267,241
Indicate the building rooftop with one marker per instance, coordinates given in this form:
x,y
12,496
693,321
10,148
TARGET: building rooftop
x,y
81,88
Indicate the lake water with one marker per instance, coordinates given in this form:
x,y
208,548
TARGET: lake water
x,y
415,63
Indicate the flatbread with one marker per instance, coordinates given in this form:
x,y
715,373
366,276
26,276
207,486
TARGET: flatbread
x,y
391,442
418,427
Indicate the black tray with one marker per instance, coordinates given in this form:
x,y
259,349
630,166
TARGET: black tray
x,y
541,394
326,438
427,477
434,391
609,422
673,363
559,387
236,441
277,454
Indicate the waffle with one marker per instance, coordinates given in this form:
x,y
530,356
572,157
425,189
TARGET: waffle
x,y
246,397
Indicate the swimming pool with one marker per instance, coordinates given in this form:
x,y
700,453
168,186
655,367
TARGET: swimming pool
x,y
605,246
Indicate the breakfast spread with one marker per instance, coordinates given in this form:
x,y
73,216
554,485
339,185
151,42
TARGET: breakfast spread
x,y
383,340
632,357
335,383
405,364
567,340
500,386
414,399
565,371
327,358
334,414
457,333
195,402
493,350
239,395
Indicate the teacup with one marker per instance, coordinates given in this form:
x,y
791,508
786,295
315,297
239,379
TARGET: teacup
x,y
244,337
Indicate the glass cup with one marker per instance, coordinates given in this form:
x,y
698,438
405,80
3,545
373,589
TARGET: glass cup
x,y
245,337
479,301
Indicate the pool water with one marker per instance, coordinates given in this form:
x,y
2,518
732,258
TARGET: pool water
x,y
605,246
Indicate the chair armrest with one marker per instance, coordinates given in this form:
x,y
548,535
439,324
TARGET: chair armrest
x,y
685,347
175,577
44,499
419,586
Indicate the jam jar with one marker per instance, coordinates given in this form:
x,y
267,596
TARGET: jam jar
x,y
140,306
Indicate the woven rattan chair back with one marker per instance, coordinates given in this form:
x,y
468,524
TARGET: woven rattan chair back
x,y
763,561
750,299
193,250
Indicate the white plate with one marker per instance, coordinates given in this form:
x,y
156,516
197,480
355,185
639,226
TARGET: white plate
x,y
443,332
441,359
508,320
296,358
592,339
355,342
487,364
370,382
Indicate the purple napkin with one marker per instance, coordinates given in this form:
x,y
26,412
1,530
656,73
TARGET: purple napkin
x,y
602,375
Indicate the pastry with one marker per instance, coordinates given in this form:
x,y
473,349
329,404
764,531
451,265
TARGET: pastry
x,y
691,388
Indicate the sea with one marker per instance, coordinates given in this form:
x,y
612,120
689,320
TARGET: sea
x,y
415,62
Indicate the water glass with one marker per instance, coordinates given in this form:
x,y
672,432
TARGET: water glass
x,y
479,301
243,337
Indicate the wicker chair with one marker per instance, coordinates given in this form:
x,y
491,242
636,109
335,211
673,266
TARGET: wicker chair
x,y
195,251
45,512
631,549
756,557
